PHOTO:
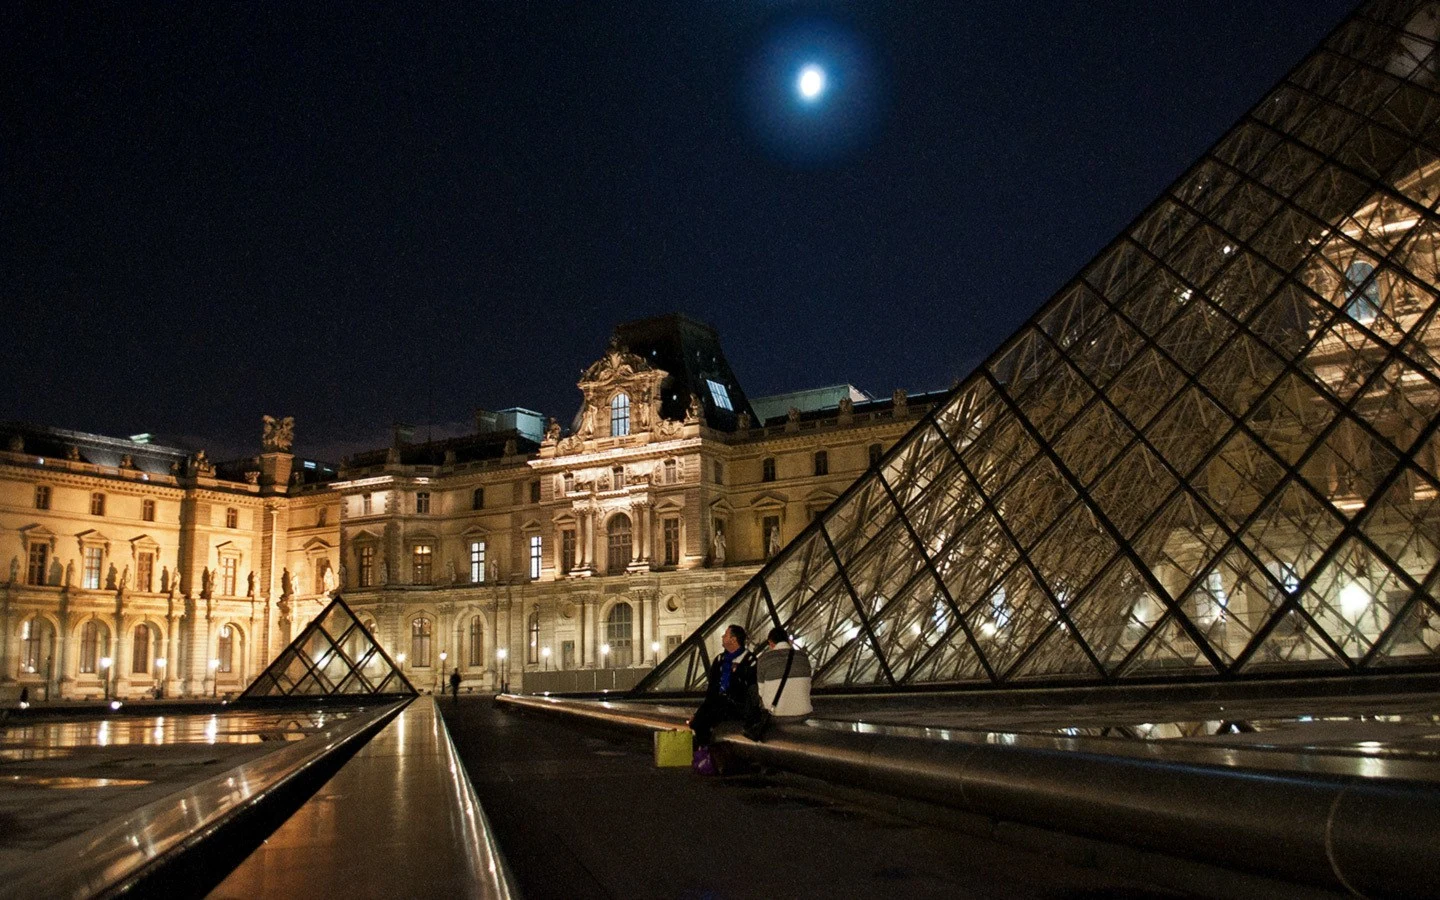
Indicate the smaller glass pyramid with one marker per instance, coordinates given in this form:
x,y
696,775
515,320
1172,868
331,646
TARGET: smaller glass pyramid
x,y
335,654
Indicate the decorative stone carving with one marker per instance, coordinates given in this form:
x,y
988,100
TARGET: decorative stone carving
x,y
127,462
278,435
328,581
14,569
124,581
847,406
252,477
552,430
72,453
694,411
792,419
250,584
200,464
384,572
669,429
287,582
450,577
207,583
449,459
511,447
742,421
902,401
717,544
70,574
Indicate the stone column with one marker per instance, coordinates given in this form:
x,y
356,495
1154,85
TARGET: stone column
x,y
120,659
591,517
59,673
637,534
172,662
654,627
9,651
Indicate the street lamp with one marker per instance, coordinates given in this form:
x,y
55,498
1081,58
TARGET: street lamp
x,y
545,652
160,677
501,655
214,678
655,650
604,656
441,674
105,662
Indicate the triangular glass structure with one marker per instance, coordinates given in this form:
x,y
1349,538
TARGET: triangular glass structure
x,y
334,655
1213,454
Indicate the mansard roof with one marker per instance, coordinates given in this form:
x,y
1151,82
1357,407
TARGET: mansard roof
x,y
689,351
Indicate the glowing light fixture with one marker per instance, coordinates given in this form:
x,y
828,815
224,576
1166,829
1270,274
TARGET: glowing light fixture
x,y
811,83
1353,600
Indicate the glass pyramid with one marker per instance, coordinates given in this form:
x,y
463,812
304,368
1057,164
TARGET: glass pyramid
x,y
335,654
1212,454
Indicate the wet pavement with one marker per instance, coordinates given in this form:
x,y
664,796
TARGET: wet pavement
x,y
61,778
580,815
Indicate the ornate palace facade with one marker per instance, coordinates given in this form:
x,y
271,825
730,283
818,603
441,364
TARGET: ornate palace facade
x,y
526,554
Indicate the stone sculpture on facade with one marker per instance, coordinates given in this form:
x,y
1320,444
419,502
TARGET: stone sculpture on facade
x,y
278,435
718,547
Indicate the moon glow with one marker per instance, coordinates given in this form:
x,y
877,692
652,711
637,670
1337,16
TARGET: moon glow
x,y
811,82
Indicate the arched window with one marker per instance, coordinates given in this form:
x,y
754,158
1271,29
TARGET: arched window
x,y
619,415
532,631
420,642
618,636
477,641
225,649
94,644
37,643
618,544
1362,293
140,652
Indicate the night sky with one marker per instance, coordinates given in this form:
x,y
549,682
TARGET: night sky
x,y
210,212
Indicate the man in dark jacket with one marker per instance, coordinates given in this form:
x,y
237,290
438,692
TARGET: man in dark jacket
x,y
727,697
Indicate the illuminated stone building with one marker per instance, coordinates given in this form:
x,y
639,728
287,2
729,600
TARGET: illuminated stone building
x,y
140,569
573,558
584,552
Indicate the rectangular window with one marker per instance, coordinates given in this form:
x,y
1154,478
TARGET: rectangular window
x,y
366,506
719,472
567,654
422,502
232,518
617,477
39,561
767,469
94,557
671,529
535,491
367,566
537,549
477,499
719,394
477,562
147,510
875,453
422,564
672,643
569,482
567,550
42,496
97,504
228,569
822,462
145,572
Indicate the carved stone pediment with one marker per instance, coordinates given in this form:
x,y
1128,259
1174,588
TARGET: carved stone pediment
x,y
617,372
618,364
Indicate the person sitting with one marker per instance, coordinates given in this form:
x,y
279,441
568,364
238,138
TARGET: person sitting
x,y
783,673
727,695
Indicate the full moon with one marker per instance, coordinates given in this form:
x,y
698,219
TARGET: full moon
x,y
812,82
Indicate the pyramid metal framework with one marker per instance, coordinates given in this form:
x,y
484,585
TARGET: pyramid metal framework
x,y
1212,454
334,655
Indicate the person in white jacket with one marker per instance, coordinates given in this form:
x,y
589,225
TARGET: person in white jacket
x,y
783,675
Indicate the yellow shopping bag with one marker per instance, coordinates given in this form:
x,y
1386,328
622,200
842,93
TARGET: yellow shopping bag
x,y
674,748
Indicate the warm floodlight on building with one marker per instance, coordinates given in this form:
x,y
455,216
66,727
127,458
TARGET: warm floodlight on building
x,y
105,662
501,653
654,646
160,662
400,658
604,649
